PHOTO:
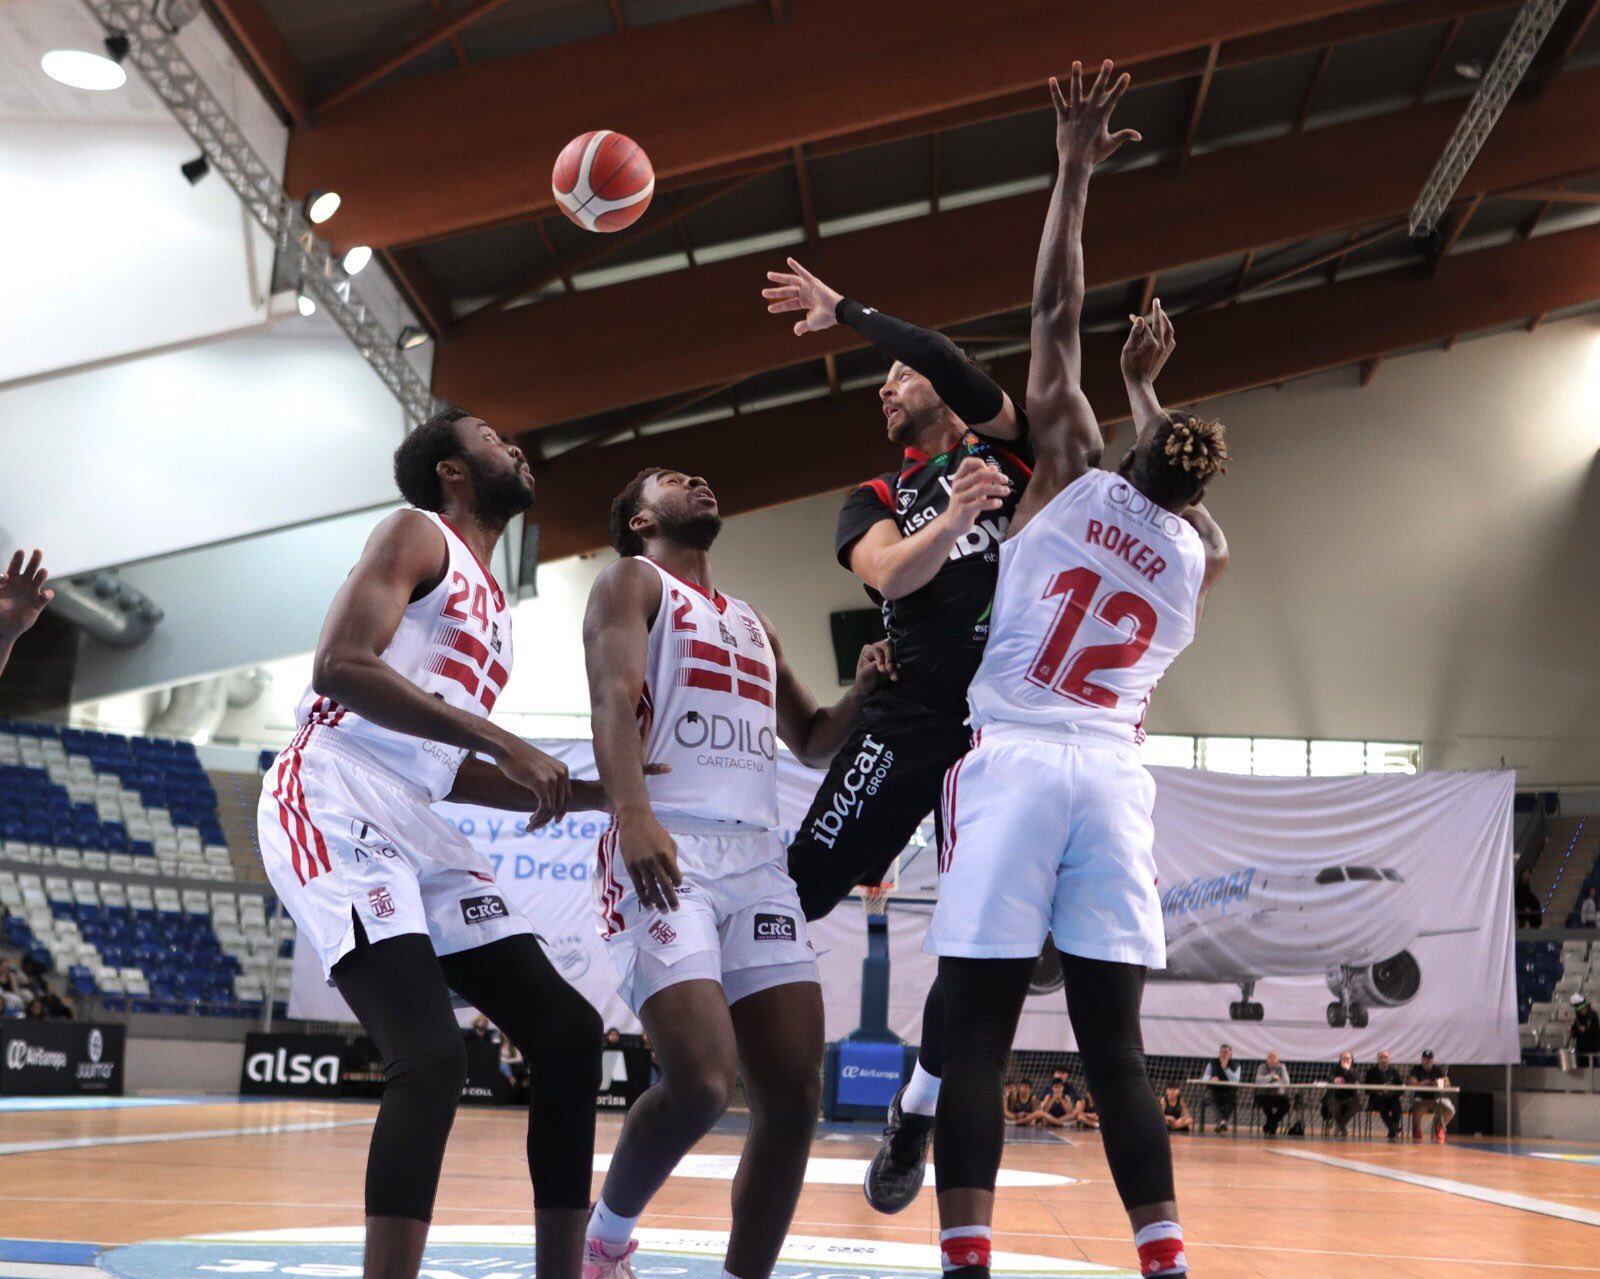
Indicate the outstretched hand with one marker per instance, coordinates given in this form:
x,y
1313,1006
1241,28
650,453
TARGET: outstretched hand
x,y
23,595
798,290
1150,342
1083,119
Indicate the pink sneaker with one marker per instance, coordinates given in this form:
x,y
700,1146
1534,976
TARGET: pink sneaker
x,y
602,1260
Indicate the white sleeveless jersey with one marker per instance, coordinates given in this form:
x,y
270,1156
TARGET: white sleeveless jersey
x,y
454,643
708,708
1097,595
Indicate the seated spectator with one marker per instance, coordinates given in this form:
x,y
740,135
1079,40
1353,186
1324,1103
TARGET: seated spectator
x,y
13,992
1339,1102
1223,1070
1530,913
35,1010
1175,1110
1273,1095
1588,908
1088,1114
1426,1074
54,1005
1058,1108
1020,1104
1386,1105
1585,1030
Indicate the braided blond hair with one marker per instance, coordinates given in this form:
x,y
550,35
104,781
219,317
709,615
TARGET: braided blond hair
x,y
1195,446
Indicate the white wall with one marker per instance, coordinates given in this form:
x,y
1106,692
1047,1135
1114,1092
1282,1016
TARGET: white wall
x,y
155,454
1413,561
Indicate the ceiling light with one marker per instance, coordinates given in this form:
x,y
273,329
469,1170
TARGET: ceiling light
x,y
306,303
411,337
79,70
1469,69
322,205
195,169
356,259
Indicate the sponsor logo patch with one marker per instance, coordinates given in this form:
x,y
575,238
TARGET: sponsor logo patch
x,y
663,932
480,910
774,928
381,904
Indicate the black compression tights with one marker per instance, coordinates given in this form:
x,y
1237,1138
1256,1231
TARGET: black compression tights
x,y
400,991
982,1001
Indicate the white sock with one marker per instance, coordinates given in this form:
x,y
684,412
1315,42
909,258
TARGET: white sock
x,y
610,1227
921,1096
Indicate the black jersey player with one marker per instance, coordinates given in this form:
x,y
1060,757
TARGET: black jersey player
x,y
925,542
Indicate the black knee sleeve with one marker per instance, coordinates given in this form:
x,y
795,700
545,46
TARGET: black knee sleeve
x,y
513,983
982,1000
1103,1002
398,993
930,1052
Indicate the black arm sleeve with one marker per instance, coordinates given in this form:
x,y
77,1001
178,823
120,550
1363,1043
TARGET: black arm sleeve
x,y
970,393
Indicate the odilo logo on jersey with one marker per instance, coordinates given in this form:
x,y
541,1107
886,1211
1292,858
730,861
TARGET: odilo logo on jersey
x,y
695,731
480,910
1142,508
774,928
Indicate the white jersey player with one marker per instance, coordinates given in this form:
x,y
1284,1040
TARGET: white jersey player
x,y
695,900
396,905
1048,818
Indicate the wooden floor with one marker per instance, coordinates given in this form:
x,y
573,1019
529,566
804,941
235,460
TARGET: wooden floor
x,y
1249,1209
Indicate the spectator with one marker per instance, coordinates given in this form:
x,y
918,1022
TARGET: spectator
x,y
613,1037
1088,1115
1385,1104
1223,1098
1020,1104
1175,1109
1428,1075
13,992
1339,1102
1058,1108
1585,1030
54,1005
1273,1094
1588,909
35,1011
23,596
1530,914
480,1029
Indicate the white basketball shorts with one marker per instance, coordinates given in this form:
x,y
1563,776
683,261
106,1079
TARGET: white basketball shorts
x,y
1048,835
343,838
742,926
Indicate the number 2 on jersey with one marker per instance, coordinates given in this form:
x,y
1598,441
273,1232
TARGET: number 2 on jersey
x,y
1075,589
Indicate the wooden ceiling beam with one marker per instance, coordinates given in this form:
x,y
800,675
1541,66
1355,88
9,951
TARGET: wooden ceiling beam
x,y
1197,106
1142,221
1356,322
427,156
264,51
408,52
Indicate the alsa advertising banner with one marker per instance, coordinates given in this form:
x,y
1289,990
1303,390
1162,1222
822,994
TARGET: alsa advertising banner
x,y
1306,915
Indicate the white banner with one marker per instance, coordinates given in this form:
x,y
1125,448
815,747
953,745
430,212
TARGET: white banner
x,y
1381,903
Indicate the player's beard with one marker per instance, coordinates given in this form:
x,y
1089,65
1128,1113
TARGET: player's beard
x,y
695,530
497,495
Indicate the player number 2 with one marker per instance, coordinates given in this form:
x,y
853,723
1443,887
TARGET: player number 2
x,y
1076,589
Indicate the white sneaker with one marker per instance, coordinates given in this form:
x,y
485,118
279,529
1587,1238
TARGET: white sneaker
x,y
602,1260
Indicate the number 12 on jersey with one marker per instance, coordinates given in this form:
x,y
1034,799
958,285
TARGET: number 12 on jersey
x,y
1057,668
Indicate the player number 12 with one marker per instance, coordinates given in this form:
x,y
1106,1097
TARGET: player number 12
x,y
1075,588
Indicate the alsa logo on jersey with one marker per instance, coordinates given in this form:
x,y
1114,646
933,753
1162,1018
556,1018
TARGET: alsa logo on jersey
x,y
774,928
480,910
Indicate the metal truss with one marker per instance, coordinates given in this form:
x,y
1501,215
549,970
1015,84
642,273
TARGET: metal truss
x,y
1527,33
187,96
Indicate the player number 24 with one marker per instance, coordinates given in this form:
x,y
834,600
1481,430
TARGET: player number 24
x,y
1075,589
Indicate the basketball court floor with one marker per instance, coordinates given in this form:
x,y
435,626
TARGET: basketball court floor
x,y
148,1188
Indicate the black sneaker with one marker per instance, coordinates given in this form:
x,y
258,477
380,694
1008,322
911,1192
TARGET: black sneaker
x,y
895,1174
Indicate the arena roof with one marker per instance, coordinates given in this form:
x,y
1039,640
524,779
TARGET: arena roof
x,y
903,149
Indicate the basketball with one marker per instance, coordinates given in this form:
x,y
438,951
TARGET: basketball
x,y
603,180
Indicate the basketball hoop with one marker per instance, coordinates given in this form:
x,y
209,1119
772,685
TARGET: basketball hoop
x,y
875,899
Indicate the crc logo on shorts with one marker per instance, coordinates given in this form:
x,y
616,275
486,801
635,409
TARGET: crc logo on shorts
x,y
663,932
480,910
774,928
381,903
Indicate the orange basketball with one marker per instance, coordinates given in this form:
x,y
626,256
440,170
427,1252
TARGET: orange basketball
x,y
603,180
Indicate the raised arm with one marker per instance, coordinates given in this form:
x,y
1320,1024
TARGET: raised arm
x,y
1066,434
403,560
815,733
1150,344
23,596
967,391
616,643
